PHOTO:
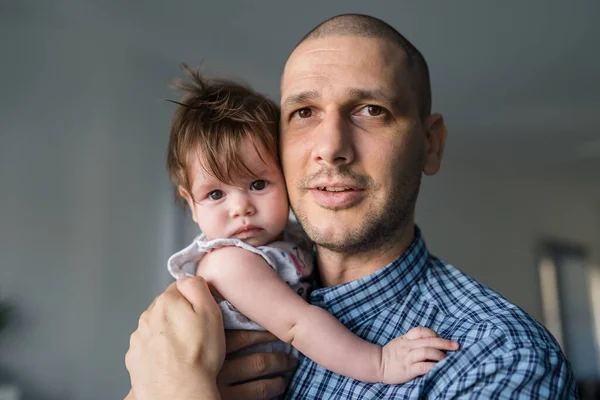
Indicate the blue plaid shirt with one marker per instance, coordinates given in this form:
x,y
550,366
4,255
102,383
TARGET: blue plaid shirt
x,y
504,354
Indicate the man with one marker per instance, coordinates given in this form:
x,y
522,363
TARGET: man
x,y
357,133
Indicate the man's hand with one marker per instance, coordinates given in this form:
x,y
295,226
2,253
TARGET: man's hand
x,y
252,368
179,345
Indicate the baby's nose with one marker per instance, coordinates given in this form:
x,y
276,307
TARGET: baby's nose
x,y
243,207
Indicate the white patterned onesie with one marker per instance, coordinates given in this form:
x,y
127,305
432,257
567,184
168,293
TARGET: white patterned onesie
x,y
291,258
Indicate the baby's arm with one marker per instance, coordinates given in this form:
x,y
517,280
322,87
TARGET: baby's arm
x,y
247,282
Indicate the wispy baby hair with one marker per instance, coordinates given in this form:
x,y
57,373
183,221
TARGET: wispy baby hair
x,y
213,121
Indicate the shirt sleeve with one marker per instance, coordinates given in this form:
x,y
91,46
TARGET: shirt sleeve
x,y
509,374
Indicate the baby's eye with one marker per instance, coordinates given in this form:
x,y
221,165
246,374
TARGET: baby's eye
x,y
258,184
216,195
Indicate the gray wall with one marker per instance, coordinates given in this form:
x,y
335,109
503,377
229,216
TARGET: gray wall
x,y
87,219
489,224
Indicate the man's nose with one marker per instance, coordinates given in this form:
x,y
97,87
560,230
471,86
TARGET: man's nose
x,y
242,206
333,142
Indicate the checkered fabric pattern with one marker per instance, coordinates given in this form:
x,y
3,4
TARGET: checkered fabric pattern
x,y
504,354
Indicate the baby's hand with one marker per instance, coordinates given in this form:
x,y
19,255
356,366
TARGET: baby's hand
x,y
413,354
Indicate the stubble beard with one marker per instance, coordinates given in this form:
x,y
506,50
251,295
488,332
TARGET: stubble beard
x,y
381,227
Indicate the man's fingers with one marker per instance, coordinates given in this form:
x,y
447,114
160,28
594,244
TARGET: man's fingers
x,y
420,332
170,290
257,390
238,339
130,395
255,366
153,304
436,343
196,291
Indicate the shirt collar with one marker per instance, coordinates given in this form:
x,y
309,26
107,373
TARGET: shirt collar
x,y
358,301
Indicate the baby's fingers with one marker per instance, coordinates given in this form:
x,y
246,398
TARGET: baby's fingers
x,y
424,354
418,369
436,343
420,332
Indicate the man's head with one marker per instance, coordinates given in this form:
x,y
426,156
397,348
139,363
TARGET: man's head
x,y
356,133
414,64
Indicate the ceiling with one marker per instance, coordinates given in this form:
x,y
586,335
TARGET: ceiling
x,y
518,82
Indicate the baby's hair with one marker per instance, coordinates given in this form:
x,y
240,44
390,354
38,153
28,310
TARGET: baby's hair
x,y
212,121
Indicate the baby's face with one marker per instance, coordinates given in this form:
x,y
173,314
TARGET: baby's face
x,y
252,210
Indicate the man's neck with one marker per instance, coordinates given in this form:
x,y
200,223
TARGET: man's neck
x,y
339,268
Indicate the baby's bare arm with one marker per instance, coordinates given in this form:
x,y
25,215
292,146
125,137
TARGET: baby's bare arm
x,y
245,280
255,289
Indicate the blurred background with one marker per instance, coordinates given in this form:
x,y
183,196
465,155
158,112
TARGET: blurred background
x,y
87,217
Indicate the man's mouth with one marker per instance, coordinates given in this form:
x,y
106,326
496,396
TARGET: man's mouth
x,y
334,189
337,197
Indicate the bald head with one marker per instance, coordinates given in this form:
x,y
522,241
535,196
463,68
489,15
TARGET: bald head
x,y
371,27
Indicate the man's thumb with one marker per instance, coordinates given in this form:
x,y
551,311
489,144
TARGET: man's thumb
x,y
196,291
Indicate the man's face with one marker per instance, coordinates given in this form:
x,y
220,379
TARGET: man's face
x,y
352,144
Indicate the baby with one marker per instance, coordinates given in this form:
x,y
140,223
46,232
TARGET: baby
x,y
223,160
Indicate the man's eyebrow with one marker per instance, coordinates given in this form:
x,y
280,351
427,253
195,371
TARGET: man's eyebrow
x,y
393,99
297,99
354,94
371,94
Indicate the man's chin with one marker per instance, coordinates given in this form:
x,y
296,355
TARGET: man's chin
x,y
336,231
335,247
339,241
348,236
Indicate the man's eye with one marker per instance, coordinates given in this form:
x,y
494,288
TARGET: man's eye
x,y
258,185
304,113
374,111
216,195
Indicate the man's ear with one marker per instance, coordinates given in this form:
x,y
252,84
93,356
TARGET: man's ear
x,y
190,201
435,140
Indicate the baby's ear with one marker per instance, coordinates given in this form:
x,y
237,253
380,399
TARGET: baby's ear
x,y
190,201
